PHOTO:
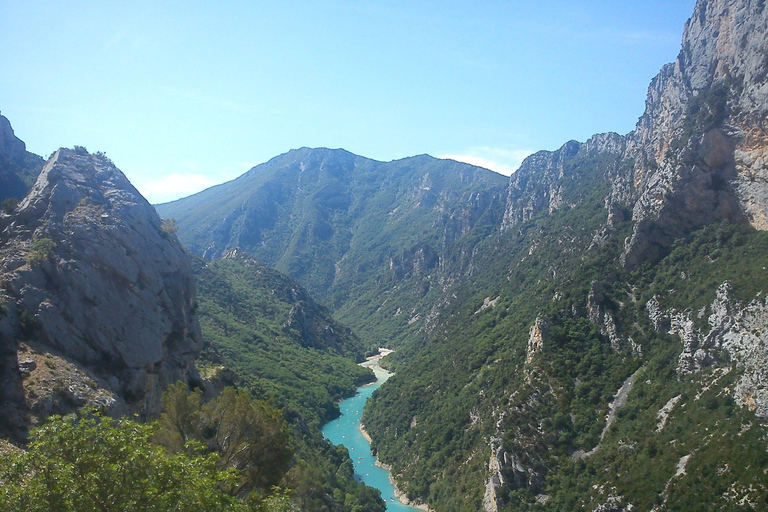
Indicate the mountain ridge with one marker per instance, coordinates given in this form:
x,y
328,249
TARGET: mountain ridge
x,y
346,226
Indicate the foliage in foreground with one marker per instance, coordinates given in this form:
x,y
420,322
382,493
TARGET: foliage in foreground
x,y
248,436
97,463
304,367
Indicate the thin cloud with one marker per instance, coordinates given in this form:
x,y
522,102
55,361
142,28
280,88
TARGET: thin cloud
x,y
502,161
170,187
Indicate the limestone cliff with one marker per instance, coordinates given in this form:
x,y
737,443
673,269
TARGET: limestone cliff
x,y
699,153
700,150
551,180
93,281
18,167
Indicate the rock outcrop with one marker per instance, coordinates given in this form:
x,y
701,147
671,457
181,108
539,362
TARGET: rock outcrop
x,y
699,153
700,150
91,275
737,336
18,167
545,181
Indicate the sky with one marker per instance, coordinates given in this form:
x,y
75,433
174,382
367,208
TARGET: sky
x,y
185,95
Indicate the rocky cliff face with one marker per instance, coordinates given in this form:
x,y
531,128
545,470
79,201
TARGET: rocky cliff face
x,y
92,277
699,152
628,240
18,167
735,339
545,181
10,145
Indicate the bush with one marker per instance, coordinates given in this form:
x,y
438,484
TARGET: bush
x,y
40,250
168,227
96,463
9,205
247,435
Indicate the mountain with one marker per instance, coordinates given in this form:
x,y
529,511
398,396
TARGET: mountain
x,y
589,335
263,330
609,351
98,298
366,238
18,167
699,150
99,309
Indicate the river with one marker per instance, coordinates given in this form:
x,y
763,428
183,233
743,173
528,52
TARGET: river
x,y
346,430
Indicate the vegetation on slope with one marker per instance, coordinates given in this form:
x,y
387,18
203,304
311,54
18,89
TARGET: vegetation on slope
x,y
230,454
476,385
364,237
265,333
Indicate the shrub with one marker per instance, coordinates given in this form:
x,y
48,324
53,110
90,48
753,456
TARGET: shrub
x,y
168,227
96,463
9,205
40,250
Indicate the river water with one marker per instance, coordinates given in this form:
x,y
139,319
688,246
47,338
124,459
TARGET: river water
x,y
346,430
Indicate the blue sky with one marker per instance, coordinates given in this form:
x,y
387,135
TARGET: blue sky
x,y
183,95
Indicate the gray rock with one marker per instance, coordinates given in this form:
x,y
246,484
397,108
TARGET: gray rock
x,y
699,153
691,169
115,295
27,365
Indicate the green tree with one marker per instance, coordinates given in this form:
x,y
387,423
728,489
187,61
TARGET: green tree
x,y
246,435
40,250
101,464
9,205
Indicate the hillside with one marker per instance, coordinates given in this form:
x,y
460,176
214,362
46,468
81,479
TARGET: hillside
x,y
366,238
609,353
263,330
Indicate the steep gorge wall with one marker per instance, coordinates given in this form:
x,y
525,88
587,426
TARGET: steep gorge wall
x,y
91,277
699,153
700,150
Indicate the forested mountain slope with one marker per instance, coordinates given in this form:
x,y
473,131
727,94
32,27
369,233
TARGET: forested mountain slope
x,y
609,352
262,331
367,238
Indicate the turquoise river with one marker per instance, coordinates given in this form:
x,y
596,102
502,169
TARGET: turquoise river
x,y
346,430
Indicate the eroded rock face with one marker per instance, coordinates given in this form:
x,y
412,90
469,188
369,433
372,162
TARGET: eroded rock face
x,y
700,150
737,336
18,167
90,272
10,145
542,182
699,153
